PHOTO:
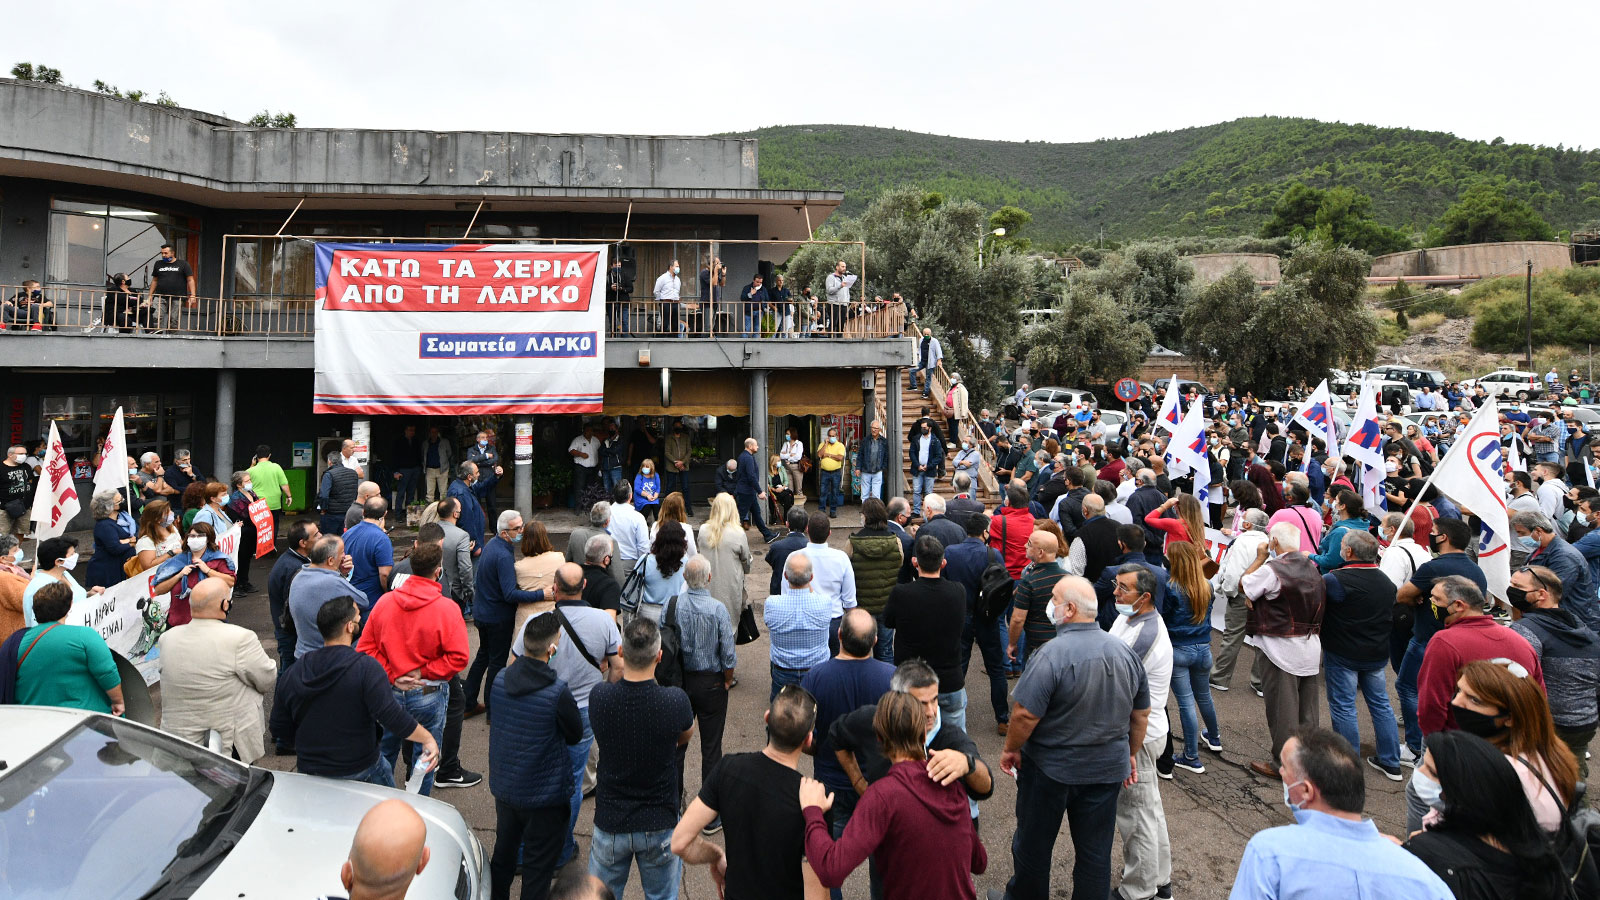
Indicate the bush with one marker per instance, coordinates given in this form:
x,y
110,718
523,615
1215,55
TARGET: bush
x,y
1558,318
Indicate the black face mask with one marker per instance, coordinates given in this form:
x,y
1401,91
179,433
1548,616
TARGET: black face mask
x,y
1433,543
1519,599
1473,722
1440,613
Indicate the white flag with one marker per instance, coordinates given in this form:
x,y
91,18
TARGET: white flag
x,y
1372,489
1188,445
1365,440
1513,458
56,500
113,472
1168,417
1472,475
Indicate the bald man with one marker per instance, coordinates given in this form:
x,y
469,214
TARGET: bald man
x,y
364,492
749,489
215,676
388,851
1030,618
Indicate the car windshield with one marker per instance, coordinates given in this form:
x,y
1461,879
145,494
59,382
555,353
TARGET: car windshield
x,y
107,809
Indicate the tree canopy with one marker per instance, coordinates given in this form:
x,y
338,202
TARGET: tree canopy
x,y
1337,215
1489,211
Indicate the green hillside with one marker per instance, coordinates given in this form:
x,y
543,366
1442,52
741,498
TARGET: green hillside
x,y
1216,180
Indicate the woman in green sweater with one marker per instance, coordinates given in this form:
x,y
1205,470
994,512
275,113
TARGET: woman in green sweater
x,y
65,665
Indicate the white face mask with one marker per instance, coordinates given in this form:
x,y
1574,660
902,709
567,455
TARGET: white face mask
x,y
248,486
1057,614
1428,790
16,554
197,544
1126,609
70,562
168,519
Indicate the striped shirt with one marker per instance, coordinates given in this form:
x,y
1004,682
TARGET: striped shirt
x,y
798,621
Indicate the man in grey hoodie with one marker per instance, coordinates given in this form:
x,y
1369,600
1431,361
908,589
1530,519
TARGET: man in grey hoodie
x,y
1569,653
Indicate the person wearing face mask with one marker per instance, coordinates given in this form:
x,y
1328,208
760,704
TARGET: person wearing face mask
x,y
666,296
13,581
647,491
1569,652
1589,545
1286,600
1486,844
471,518
16,492
55,558
181,574
1537,535
215,676
1332,850
1449,539
11,558
830,464
1146,847
872,458
111,547
240,495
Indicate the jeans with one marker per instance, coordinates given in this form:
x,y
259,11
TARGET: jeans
x,y
872,485
922,379
884,649
1405,685
1343,677
407,487
610,477
612,855
953,708
1146,846
578,758
429,710
782,678
831,497
1091,813
378,774
677,481
494,645
530,834
1191,684
921,486
991,644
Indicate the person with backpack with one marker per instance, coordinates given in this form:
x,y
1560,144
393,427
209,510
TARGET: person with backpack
x,y
981,570
586,656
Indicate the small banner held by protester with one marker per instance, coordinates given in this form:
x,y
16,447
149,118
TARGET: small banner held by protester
x,y
266,532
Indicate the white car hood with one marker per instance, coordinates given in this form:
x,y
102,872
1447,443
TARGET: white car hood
x,y
301,838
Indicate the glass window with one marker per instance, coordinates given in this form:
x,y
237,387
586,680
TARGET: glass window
x,y
284,268
159,423
89,241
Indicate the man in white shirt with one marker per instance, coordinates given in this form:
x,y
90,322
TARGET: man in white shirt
x,y
1552,490
831,573
666,294
1520,484
347,457
585,453
1287,599
838,287
628,529
1146,848
1241,553
1403,555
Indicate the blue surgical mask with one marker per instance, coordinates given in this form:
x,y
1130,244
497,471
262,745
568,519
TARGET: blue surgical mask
x,y
1287,786
1125,609
1529,542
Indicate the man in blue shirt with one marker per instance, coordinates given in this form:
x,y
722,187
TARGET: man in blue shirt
x,y
495,597
471,519
371,553
1130,540
1333,851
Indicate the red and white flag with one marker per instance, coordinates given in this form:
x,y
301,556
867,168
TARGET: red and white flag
x,y
56,500
1169,417
113,472
1471,475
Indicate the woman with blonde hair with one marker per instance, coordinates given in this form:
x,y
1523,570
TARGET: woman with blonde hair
x,y
723,542
673,509
1188,526
1186,608
536,570
779,490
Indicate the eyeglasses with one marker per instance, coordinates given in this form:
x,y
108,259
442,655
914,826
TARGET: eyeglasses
x,y
1536,577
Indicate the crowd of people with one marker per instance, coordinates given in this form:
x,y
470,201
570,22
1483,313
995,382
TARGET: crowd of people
x,y
1091,589
760,309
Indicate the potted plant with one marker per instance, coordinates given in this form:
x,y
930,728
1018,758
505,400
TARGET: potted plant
x,y
550,479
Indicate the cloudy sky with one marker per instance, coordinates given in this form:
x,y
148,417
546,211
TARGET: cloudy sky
x,y
1055,71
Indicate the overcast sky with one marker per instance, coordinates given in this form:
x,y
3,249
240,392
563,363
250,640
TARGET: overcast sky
x,y
1055,71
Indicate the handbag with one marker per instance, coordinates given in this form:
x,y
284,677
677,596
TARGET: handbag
x,y
633,588
747,630
132,567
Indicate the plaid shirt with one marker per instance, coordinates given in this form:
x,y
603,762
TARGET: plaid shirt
x,y
798,621
707,633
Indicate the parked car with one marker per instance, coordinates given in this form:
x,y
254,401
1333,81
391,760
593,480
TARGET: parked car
x,y
97,806
1508,383
1184,386
1055,399
1414,377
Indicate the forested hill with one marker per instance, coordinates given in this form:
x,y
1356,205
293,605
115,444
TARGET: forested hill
x,y
1219,179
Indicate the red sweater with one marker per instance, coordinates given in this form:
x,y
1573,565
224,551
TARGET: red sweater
x,y
1176,532
1472,638
918,831
1009,532
415,627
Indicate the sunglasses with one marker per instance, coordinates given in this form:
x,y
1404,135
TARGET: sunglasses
x,y
1536,576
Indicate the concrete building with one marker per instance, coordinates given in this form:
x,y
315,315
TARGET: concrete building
x,y
1471,262
91,185
1210,267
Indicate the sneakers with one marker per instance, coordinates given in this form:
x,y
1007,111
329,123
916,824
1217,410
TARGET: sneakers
x,y
460,778
1217,687
1209,742
1390,772
1259,692
1165,891
713,828
1407,758
1188,765
1164,767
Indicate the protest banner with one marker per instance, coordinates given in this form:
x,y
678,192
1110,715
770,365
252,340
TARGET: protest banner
x,y
131,617
266,532
55,501
513,328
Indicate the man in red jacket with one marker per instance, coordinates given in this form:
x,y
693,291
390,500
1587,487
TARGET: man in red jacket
x,y
1468,635
1011,528
418,636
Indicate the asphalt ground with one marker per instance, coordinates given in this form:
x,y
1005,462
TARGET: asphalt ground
x,y
1210,816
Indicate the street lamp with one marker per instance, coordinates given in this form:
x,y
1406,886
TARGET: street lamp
x,y
998,232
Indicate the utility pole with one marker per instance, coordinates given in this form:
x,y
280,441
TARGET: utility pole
x,y
1529,293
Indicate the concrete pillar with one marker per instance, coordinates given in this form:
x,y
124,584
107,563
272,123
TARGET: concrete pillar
x,y
522,483
222,462
894,431
758,416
